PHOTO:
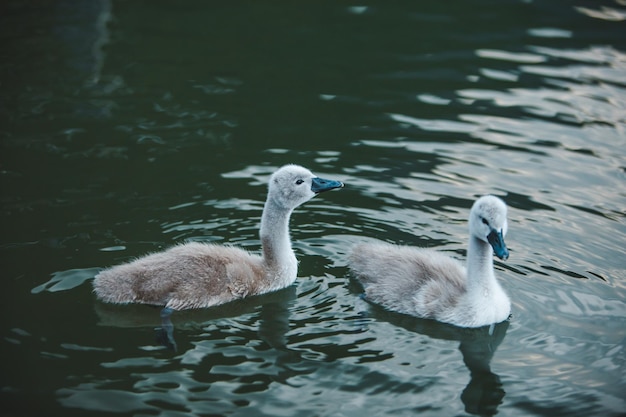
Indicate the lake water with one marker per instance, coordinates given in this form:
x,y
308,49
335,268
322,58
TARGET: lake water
x,y
130,126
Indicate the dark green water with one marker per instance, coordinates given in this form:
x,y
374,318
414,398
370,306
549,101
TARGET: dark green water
x,y
129,126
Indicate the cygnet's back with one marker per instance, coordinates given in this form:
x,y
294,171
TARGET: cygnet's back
x,y
393,276
191,275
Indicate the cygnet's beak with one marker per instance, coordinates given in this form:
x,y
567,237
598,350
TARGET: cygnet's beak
x,y
496,240
319,185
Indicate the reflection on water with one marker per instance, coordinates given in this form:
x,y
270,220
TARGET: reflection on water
x,y
137,316
126,127
485,391
277,357
270,315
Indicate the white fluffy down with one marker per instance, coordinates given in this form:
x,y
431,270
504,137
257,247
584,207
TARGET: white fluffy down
x,y
428,284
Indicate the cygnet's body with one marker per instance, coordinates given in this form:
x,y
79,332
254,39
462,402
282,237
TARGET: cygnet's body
x,y
428,284
196,275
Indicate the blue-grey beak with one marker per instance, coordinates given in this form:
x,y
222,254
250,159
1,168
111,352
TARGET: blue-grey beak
x,y
496,240
319,185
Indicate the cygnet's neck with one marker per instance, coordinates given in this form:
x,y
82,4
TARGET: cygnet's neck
x,y
480,277
274,234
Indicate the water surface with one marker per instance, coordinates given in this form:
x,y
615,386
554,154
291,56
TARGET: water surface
x,y
127,127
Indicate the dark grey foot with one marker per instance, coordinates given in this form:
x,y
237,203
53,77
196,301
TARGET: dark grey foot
x,y
165,333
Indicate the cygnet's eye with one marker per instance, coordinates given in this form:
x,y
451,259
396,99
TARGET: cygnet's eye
x,y
300,181
484,221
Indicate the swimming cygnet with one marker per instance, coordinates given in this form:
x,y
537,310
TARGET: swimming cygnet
x,y
196,275
428,284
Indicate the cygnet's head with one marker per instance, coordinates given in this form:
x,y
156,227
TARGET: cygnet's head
x,y
488,223
293,185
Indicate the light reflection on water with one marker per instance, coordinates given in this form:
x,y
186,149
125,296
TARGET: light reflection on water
x,y
147,152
